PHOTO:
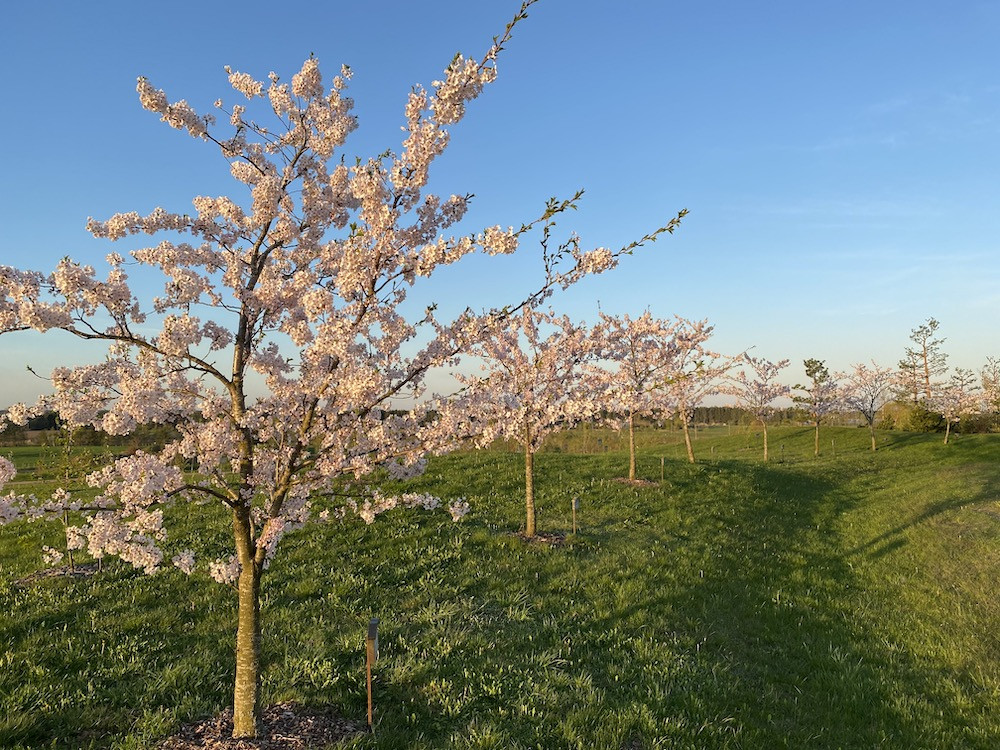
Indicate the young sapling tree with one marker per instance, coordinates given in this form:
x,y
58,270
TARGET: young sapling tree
x,y
539,380
924,362
990,382
819,397
867,389
958,397
695,373
756,387
642,351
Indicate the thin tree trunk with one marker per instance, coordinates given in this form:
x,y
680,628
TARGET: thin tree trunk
x,y
631,446
927,374
246,696
947,430
764,425
687,437
529,491
816,441
871,426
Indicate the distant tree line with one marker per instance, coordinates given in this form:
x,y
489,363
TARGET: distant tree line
x,y
48,429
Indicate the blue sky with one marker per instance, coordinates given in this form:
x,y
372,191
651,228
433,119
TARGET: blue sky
x,y
841,161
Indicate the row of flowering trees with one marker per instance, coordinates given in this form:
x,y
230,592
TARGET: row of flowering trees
x,y
866,389
281,344
543,373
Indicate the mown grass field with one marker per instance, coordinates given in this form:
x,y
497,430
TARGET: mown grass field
x,y
845,601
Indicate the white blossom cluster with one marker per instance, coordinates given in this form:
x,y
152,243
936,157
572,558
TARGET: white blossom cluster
x,y
379,503
224,571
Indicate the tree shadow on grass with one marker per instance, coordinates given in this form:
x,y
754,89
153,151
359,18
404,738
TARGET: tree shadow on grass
x,y
896,537
762,610
962,496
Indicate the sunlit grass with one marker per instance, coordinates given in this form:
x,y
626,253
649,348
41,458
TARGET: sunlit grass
x,y
834,602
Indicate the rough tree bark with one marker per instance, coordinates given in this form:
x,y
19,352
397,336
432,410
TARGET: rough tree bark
x,y
246,695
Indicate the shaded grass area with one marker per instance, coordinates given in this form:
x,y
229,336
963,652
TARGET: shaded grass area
x,y
846,601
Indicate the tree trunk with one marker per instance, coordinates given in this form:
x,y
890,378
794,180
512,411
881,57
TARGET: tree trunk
x,y
816,441
764,425
631,446
246,696
871,426
927,375
687,436
529,491
947,430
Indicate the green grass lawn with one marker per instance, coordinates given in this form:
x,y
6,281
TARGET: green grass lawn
x,y
844,601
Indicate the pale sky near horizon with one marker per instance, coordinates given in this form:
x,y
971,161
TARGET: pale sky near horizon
x,y
840,160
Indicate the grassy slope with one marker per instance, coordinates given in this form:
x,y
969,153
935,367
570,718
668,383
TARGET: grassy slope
x,y
844,601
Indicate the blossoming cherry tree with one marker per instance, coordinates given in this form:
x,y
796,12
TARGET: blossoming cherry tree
x,y
756,388
300,290
539,379
643,353
695,373
868,389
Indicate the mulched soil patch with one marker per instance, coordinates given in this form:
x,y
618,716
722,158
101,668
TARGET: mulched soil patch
x,y
284,726
637,482
63,571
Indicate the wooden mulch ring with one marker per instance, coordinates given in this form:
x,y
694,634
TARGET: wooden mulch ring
x,y
284,726
78,571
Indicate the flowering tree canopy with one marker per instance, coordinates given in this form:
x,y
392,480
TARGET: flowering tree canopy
x,y
959,396
989,378
299,287
7,472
